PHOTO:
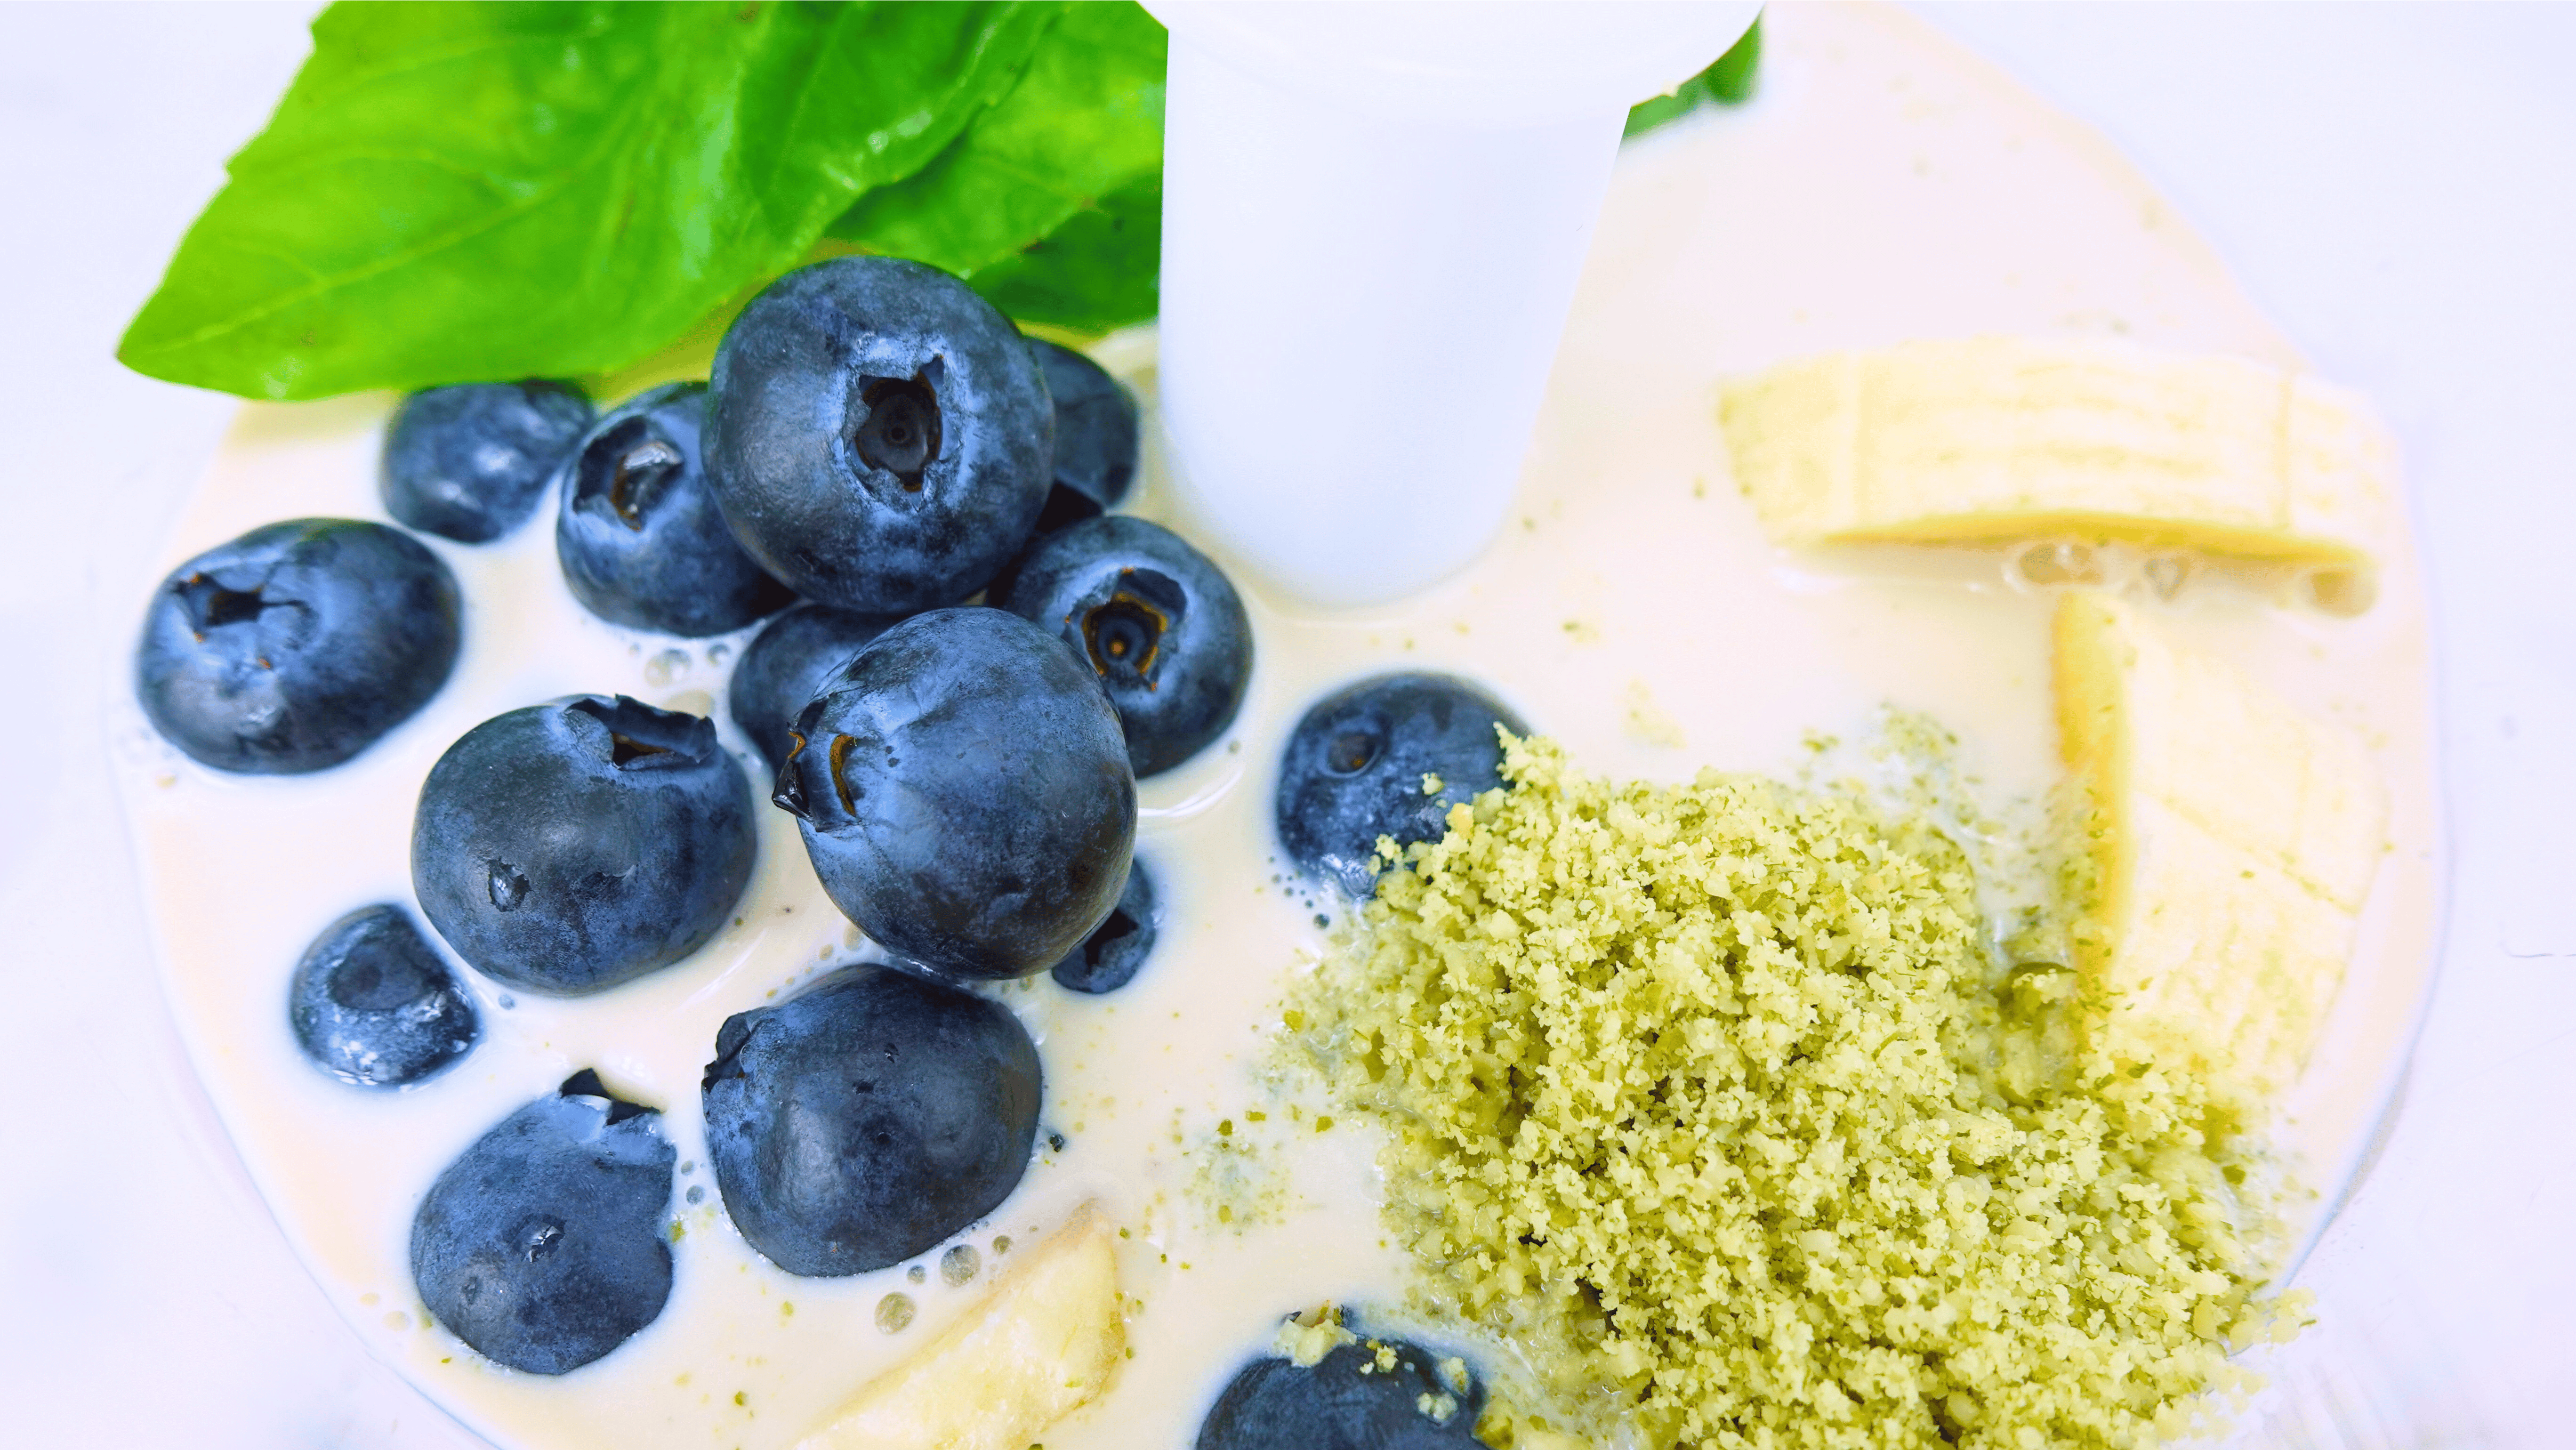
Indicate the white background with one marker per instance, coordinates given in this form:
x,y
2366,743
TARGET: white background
x,y
2396,185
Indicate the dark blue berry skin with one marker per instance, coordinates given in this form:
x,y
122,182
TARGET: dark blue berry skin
x,y
570,846
862,1122
1095,425
544,1245
879,435
638,533
1157,622
297,645
1353,770
372,1004
1344,1402
470,462
964,793
1095,451
786,666
1109,958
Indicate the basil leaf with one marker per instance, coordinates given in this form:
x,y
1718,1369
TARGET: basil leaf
x,y
454,193
1728,81
1085,119
1101,269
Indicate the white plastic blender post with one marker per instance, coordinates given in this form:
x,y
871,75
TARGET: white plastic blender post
x,y
1374,216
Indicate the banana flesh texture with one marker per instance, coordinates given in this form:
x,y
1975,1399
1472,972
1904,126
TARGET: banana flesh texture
x,y
2232,843
1040,1346
1995,439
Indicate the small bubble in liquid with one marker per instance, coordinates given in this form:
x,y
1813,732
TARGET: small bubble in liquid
x,y
663,668
718,654
1001,1243
697,1193
916,1273
959,1264
689,1166
1321,921
508,1001
894,1312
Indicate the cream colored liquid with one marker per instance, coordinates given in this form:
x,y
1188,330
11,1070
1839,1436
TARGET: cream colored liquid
x,y
1885,186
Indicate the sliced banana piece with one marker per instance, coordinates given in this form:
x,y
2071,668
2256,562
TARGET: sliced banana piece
x,y
1996,439
2232,841
1041,1345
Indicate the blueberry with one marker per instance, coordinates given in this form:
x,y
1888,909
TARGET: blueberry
x,y
964,793
1109,958
1355,768
1095,450
373,1005
295,646
879,435
786,666
1154,619
469,462
543,1244
1095,426
571,846
863,1121
1345,1402
639,535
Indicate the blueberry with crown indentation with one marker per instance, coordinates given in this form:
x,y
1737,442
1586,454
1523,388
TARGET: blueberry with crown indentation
x,y
964,793
297,645
863,1121
469,462
543,1246
571,846
1385,757
373,1004
637,530
1154,619
879,436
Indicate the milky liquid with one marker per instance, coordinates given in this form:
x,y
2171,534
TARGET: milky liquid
x,y
1884,186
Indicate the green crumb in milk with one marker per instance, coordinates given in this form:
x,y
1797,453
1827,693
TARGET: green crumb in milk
x,y
1712,1103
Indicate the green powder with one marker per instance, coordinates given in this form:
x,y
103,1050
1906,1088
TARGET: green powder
x,y
1708,1102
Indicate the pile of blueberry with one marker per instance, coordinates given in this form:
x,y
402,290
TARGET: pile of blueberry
x,y
879,443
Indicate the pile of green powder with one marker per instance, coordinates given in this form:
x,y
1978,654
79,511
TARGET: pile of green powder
x,y
1709,1101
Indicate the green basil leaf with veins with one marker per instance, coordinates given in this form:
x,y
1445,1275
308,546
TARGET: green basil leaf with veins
x,y
1101,269
453,193
1084,119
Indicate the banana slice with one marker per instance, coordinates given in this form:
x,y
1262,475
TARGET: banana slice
x,y
1040,1346
2232,842
1990,440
